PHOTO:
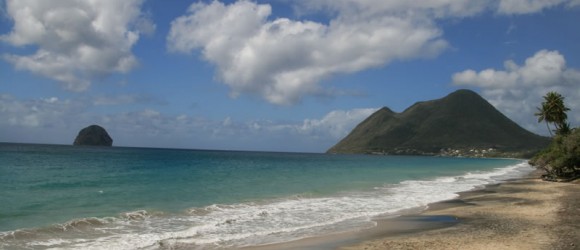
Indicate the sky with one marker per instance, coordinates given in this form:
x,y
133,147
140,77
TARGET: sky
x,y
275,75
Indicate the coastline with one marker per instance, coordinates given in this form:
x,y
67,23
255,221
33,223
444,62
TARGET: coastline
x,y
524,213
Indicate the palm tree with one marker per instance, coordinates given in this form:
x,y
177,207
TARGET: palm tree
x,y
553,111
542,115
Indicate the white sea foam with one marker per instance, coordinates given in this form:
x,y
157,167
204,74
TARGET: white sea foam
x,y
236,225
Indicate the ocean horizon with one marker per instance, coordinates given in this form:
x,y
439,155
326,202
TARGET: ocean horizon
x,y
66,197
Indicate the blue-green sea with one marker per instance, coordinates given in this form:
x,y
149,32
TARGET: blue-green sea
x,y
65,197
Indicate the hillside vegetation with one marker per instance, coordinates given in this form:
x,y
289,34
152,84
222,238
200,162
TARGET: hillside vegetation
x,y
460,124
561,160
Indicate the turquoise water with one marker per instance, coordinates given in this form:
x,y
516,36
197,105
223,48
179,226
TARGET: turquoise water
x,y
129,198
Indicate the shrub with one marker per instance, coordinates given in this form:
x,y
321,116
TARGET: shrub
x,y
561,160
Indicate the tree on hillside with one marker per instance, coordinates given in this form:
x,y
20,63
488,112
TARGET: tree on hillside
x,y
554,111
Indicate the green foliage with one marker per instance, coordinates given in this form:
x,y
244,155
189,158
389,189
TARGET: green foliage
x,y
561,159
462,121
553,111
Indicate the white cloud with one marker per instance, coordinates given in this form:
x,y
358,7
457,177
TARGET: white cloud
x,y
52,120
517,90
336,124
75,40
126,99
574,3
316,134
527,6
431,8
282,59
38,113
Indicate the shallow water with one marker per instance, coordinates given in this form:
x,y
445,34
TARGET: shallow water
x,y
131,198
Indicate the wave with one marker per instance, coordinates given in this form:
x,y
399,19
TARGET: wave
x,y
62,234
245,224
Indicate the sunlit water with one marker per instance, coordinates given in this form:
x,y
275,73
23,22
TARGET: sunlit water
x,y
134,198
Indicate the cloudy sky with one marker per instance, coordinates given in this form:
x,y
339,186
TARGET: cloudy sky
x,y
275,75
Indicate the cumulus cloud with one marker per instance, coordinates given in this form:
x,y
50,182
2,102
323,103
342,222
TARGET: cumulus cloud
x,y
518,89
283,59
75,41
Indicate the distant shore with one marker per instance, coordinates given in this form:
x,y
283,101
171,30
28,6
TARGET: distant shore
x,y
526,213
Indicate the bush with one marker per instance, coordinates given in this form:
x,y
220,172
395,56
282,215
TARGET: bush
x,y
561,160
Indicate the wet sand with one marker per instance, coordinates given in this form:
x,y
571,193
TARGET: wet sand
x,y
520,214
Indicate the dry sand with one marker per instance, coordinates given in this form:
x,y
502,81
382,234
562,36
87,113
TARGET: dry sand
x,y
521,214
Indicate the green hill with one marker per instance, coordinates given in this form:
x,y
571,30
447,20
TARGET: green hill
x,y
462,123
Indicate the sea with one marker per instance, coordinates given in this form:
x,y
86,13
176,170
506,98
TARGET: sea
x,y
66,197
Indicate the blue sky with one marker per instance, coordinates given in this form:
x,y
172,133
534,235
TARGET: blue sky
x,y
274,75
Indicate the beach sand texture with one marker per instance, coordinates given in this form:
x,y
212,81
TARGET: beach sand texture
x,y
520,214
526,213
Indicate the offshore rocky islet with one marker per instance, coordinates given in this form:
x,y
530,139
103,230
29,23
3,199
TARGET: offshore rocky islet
x,y
93,135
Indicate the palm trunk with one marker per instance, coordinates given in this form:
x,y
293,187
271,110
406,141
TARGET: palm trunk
x,y
549,130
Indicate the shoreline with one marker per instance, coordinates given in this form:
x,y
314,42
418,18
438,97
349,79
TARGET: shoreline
x,y
523,213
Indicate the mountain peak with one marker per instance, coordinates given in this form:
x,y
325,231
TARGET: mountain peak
x,y
460,120
464,93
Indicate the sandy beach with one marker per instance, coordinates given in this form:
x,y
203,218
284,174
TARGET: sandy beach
x,y
520,214
527,213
